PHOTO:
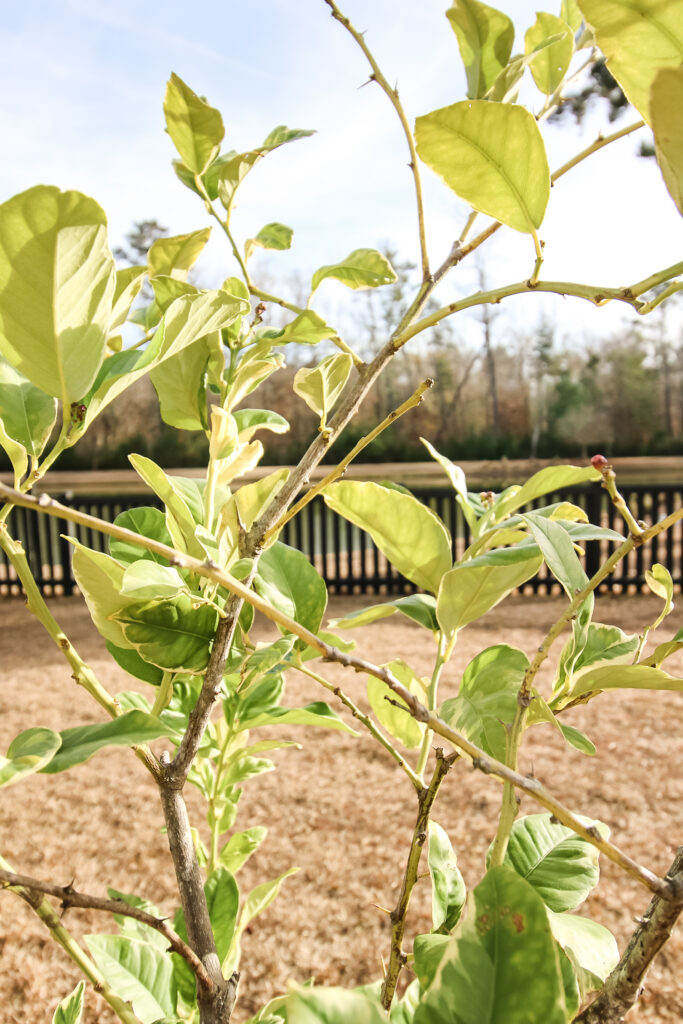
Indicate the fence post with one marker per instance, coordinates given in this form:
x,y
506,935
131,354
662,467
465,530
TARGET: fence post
x,y
594,509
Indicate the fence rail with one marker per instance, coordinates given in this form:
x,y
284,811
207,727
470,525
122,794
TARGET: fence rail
x,y
346,556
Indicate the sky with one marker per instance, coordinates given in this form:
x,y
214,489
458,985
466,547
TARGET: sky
x,y
82,87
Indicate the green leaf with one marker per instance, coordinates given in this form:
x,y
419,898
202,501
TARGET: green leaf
x,y
491,155
550,65
625,677
28,752
487,699
666,97
145,579
222,897
70,1010
250,420
428,951
398,722
183,503
577,739
457,478
55,261
545,481
256,902
187,319
136,929
180,384
332,1006
128,284
602,644
658,579
240,847
281,135
167,290
250,373
196,128
411,536
662,652
591,948
500,963
242,767
265,658
137,972
173,635
148,522
569,12
638,37
485,37
175,256
306,329
80,743
362,268
421,608
469,591
99,579
558,552
261,897
320,386
271,236
448,886
234,167
291,584
318,714
560,865
27,416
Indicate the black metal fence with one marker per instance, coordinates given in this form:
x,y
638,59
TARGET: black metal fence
x,y
346,556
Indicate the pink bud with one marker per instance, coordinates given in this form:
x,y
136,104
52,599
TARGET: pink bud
x,y
599,462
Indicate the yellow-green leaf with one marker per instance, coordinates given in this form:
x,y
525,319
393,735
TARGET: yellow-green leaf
x,y
271,236
398,722
666,104
485,37
411,536
491,155
173,257
362,268
638,37
320,386
469,591
57,281
550,65
195,127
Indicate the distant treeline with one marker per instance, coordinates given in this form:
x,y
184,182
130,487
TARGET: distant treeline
x,y
528,397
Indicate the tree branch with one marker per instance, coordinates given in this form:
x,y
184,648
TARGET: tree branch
x,y
68,898
53,922
425,798
624,984
216,1003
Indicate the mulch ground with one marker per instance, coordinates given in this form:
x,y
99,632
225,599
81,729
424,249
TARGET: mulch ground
x,y
338,808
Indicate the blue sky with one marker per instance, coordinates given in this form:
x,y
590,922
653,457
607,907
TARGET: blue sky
x,y
82,85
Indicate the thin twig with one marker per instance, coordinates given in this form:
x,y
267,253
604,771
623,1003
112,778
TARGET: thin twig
x,y
425,798
392,94
68,897
365,720
339,470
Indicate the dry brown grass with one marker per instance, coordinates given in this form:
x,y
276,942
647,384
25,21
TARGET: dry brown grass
x,y
338,808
